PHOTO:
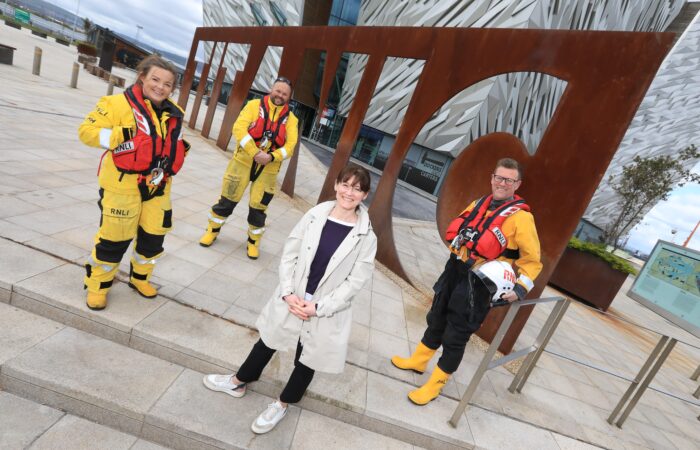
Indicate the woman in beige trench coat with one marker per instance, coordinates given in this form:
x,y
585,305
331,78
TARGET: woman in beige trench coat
x,y
327,258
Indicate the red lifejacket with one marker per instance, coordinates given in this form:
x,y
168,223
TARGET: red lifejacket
x,y
147,149
276,131
482,235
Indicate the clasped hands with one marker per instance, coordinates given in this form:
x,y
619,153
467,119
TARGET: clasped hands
x,y
263,158
300,308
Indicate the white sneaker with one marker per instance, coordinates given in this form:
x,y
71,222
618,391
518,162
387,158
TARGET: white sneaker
x,y
267,420
223,383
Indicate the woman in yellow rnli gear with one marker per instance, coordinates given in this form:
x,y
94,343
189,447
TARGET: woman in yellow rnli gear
x,y
141,133
266,132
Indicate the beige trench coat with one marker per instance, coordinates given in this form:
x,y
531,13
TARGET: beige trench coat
x,y
325,337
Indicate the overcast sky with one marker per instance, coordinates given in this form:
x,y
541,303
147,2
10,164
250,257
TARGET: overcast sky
x,y
681,212
167,25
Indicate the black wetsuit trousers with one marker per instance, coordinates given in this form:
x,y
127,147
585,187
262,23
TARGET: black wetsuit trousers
x,y
460,306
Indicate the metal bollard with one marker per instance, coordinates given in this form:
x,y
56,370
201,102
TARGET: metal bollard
x,y
74,75
110,86
36,68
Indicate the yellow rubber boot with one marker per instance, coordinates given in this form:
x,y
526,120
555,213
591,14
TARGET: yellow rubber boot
x,y
96,300
431,389
98,279
139,275
213,229
254,236
417,362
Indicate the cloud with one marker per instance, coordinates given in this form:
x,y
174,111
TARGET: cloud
x,y
680,212
166,26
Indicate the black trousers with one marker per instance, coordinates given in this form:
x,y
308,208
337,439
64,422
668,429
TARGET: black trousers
x,y
460,306
258,358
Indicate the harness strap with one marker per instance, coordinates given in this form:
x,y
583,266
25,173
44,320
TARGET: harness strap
x,y
134,102
484,223
256,169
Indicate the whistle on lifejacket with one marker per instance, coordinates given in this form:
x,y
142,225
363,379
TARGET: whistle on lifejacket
x,y
465,235
155,177
265,141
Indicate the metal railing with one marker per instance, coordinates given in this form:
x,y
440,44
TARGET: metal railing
x,y
533,352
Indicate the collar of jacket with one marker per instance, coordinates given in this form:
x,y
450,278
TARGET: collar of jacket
x,y
323,210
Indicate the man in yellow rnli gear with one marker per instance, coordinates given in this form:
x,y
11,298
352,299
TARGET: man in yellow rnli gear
x,y
141,133
266,133
499,226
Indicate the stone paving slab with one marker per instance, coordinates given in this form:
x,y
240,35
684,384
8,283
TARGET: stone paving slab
x,y
317,432
20,330
216,419
22,421
94,371
59,294
387,400
19,262
47,371
74,433
178,328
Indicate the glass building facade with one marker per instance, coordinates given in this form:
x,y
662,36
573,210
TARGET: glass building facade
x,y
423,167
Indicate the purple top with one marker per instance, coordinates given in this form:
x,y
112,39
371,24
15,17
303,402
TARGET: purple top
x,y
334,231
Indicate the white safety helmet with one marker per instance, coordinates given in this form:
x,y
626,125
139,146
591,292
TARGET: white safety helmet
x,y
498,276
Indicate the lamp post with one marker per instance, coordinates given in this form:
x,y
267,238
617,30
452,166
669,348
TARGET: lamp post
x,y
75,21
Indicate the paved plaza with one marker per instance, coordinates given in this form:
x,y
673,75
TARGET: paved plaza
x,y
130,376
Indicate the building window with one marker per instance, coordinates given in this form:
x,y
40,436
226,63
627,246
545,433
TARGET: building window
x,y
344,12
279,15
258,14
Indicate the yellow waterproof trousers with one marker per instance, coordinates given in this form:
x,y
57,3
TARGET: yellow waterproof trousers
x,y
236,180
125,217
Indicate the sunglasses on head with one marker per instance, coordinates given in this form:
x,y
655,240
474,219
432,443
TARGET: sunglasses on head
x,y
283,80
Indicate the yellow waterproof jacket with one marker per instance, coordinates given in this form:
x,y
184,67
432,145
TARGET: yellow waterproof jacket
x,y
246,145
521,234
103,128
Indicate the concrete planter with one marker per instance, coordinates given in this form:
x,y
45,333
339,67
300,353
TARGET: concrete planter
x,y
588,278
40,34
62,42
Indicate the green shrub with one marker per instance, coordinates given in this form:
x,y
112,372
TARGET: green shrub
x,y
598,250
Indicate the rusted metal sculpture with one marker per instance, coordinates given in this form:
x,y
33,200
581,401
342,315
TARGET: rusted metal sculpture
x,y
607,75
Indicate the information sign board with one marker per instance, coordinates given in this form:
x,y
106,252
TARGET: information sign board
x,y
669,284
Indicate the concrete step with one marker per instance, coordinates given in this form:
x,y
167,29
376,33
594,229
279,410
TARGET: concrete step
x,y
30,425
141,396
170,331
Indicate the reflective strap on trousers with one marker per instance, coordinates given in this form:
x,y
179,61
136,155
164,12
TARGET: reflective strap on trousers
x,y
141,260
216,219
105,267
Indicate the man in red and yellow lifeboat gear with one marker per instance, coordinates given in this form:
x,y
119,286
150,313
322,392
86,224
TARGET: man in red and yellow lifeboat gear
x,y
266,132
499,226
141,133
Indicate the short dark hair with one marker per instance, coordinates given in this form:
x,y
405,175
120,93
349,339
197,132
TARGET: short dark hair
x,y
152,61
359,174
510,163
